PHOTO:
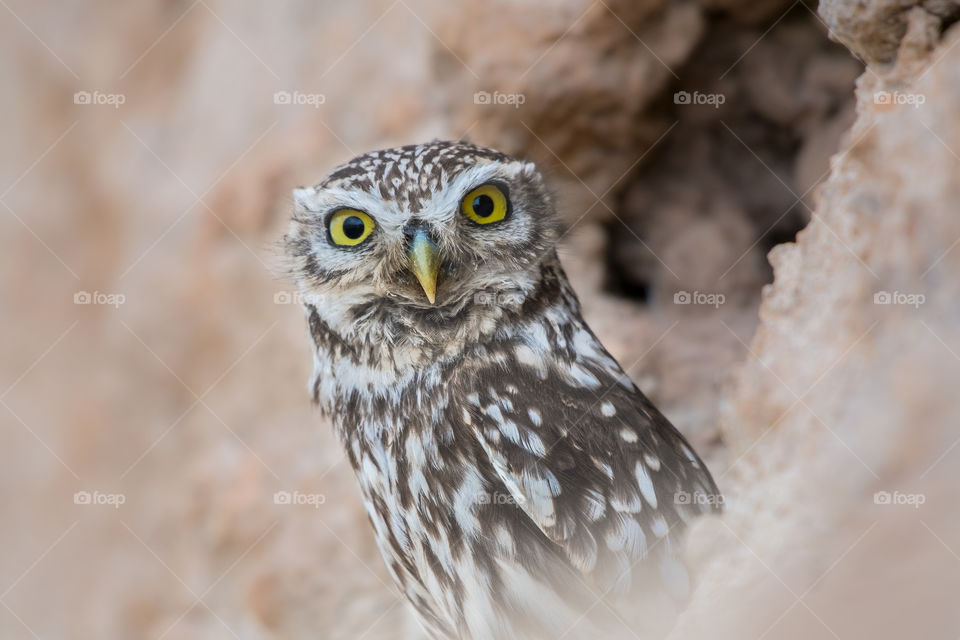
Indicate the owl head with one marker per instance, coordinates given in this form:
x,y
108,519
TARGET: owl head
x,y
422,236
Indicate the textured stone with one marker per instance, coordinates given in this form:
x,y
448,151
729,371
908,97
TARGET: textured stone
x,y
587,72
846,396
872,29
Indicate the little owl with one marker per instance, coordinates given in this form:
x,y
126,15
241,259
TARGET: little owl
x,y
519,484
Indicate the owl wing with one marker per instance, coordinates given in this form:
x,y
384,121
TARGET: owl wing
x,y
593,464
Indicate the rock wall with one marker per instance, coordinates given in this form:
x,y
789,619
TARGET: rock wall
x,y
842,424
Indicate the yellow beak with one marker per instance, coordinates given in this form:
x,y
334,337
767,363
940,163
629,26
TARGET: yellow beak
x,y
424,258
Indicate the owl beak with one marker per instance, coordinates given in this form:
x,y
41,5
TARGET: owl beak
x,y
424,258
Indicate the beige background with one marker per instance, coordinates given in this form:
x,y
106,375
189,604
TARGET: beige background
x,y
186,400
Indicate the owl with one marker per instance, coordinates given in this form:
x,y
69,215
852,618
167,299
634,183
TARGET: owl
x,y
518,483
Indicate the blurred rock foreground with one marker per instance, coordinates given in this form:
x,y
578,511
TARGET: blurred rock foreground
x,y
163,473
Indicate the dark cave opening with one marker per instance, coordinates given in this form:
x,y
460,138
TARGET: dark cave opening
x,y
759,111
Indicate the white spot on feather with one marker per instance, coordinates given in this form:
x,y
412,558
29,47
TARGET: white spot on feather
x,y
510,431
535,417
529,357
534,444
652,461
417,459
537,338
465,499
627,503
628,536
603,466
659,526
539,493
493,411
608,410
646,484
582,377
505,539
595,505
585,344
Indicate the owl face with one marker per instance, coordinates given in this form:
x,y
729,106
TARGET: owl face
x,y
425,232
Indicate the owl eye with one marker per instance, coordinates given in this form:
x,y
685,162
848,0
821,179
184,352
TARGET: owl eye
x,y
349,227
485,204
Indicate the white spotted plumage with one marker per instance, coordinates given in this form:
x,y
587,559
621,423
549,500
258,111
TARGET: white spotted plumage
x,y
512,471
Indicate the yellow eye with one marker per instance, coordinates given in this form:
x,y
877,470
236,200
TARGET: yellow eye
x,y
349,227
485,204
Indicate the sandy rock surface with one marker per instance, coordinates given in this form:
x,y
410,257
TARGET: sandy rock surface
x,y
842,424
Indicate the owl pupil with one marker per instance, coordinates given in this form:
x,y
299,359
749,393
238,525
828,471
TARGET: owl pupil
x,y
483,206
353,227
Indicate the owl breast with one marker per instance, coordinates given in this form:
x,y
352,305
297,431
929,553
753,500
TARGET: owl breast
x,y
455,539
519,483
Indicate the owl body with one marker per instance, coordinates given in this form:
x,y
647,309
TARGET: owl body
x,y
518,482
